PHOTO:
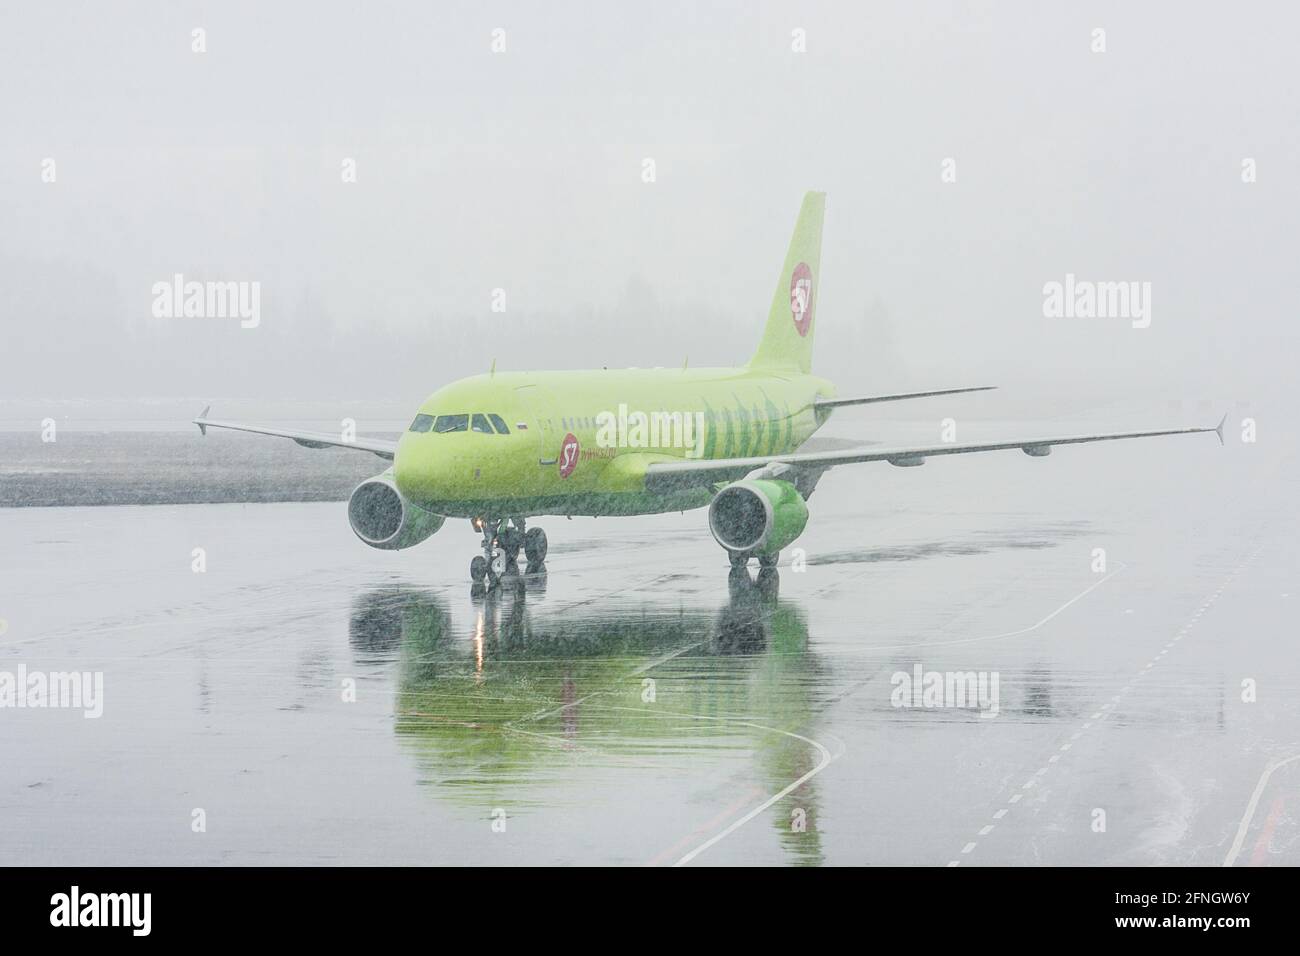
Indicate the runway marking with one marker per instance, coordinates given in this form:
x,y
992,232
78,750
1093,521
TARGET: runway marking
x,y
1024,630
552,711
1266,837
912,646
779,795
1107,708
706,826
1244,826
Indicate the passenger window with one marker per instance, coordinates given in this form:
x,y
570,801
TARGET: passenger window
x,y
422,423
480,424
499,423
451,423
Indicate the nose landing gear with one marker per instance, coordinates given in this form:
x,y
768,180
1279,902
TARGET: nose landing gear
x,y
502,543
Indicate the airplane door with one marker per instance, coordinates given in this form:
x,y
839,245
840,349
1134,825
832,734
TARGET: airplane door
x,y
550,436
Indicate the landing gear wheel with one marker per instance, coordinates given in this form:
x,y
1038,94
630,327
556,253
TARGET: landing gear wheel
x,y
535,546
738,559
768,560
478,568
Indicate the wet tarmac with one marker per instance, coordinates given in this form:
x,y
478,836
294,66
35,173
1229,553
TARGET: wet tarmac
x,y
307,700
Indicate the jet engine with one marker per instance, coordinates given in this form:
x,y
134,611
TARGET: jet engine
x,y
383,519
757,517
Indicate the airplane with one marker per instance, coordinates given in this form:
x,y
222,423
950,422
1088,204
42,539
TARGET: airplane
x,y
503,447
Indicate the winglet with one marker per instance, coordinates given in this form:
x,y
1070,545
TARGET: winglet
x,y
1218,429
203,425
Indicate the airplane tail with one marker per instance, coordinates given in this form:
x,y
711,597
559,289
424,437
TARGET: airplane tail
x,y
791,321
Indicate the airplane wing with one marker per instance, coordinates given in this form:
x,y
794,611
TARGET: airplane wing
x,y
897,397
666,476
376,446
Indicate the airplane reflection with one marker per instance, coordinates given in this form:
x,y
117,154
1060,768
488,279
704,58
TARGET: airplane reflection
x,y
505,696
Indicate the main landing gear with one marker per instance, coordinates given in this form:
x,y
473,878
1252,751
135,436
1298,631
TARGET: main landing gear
x,y
740,559
502,541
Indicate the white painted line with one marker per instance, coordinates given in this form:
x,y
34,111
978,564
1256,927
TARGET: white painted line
x,y
826,759
987,830
1000,814
1016,633
1244,826
1015,797
968,847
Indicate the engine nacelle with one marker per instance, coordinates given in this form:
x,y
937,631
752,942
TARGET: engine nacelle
x,y
760,516
383,519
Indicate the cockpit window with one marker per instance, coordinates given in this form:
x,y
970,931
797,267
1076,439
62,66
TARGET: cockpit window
x,y
451,423
480,424
422,423
499,423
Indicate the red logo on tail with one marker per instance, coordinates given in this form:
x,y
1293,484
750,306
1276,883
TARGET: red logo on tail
x,y
801,294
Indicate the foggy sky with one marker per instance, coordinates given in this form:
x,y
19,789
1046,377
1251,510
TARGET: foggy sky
x,y
522,170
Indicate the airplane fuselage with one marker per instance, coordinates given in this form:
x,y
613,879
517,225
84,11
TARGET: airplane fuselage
x,y
578,442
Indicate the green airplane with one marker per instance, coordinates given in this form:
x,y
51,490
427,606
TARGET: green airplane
x,y
501,448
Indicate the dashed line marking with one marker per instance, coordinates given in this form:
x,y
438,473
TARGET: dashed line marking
x,y
1109,705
